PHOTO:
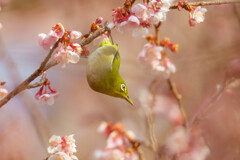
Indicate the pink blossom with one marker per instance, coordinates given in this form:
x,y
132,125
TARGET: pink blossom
x,y
99,20
150,57
46,94
178,141
114,154
68,144
75,34
161,106
187,144
55,144
64,56
46,99
131,22
159,17
62,148
59,156
114,140
3,92
197,149
57,31
140,11
197,16
102,127
46,41
165,5
118,143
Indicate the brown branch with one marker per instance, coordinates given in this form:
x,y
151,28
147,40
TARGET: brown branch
x,y
36,117
206,3
26,82
35,85
2,83
157,33
178,96
45,66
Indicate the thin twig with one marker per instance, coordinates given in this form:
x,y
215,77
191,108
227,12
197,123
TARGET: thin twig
x,y
178,96
157,33
35,85
197,118
205,3
135,145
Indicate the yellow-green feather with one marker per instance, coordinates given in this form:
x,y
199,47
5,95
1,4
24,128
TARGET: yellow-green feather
x,y
103,71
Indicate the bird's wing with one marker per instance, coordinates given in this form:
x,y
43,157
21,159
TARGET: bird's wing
x,y
116,62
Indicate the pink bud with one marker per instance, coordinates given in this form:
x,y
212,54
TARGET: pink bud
x,y
192,22
39,93
99,20
180,8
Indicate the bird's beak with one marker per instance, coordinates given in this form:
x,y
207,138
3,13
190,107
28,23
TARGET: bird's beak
x,y
128,99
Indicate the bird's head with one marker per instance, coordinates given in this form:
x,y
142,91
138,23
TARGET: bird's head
x,y
120,90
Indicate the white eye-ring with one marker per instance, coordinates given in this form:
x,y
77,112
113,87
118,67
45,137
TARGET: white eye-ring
x,y
123,87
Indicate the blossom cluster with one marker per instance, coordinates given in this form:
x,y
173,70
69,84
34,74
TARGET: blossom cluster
x,y
69,51
62,148
161,106
188,145
152,57
197,16
141,16
46,94
119,143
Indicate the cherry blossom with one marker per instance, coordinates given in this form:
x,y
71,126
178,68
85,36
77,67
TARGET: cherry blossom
x,y
55,144
62,148
66,55
59,156
113,154
151,59
3,92
178,141
68,52
118,145
48,40
46,94
75,34
187,144
197,16
161,106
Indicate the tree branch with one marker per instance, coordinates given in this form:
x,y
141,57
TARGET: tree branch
x,y
178,96
26,82
206,3
45,66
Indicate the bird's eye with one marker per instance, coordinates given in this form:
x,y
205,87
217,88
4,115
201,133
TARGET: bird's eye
x,y
123,87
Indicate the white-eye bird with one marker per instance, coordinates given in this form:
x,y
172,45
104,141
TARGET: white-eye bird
x,y
103,71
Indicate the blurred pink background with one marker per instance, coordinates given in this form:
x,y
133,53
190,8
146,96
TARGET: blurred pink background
x,y
206,53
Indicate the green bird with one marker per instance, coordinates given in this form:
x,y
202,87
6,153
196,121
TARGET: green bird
x,y
103,71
